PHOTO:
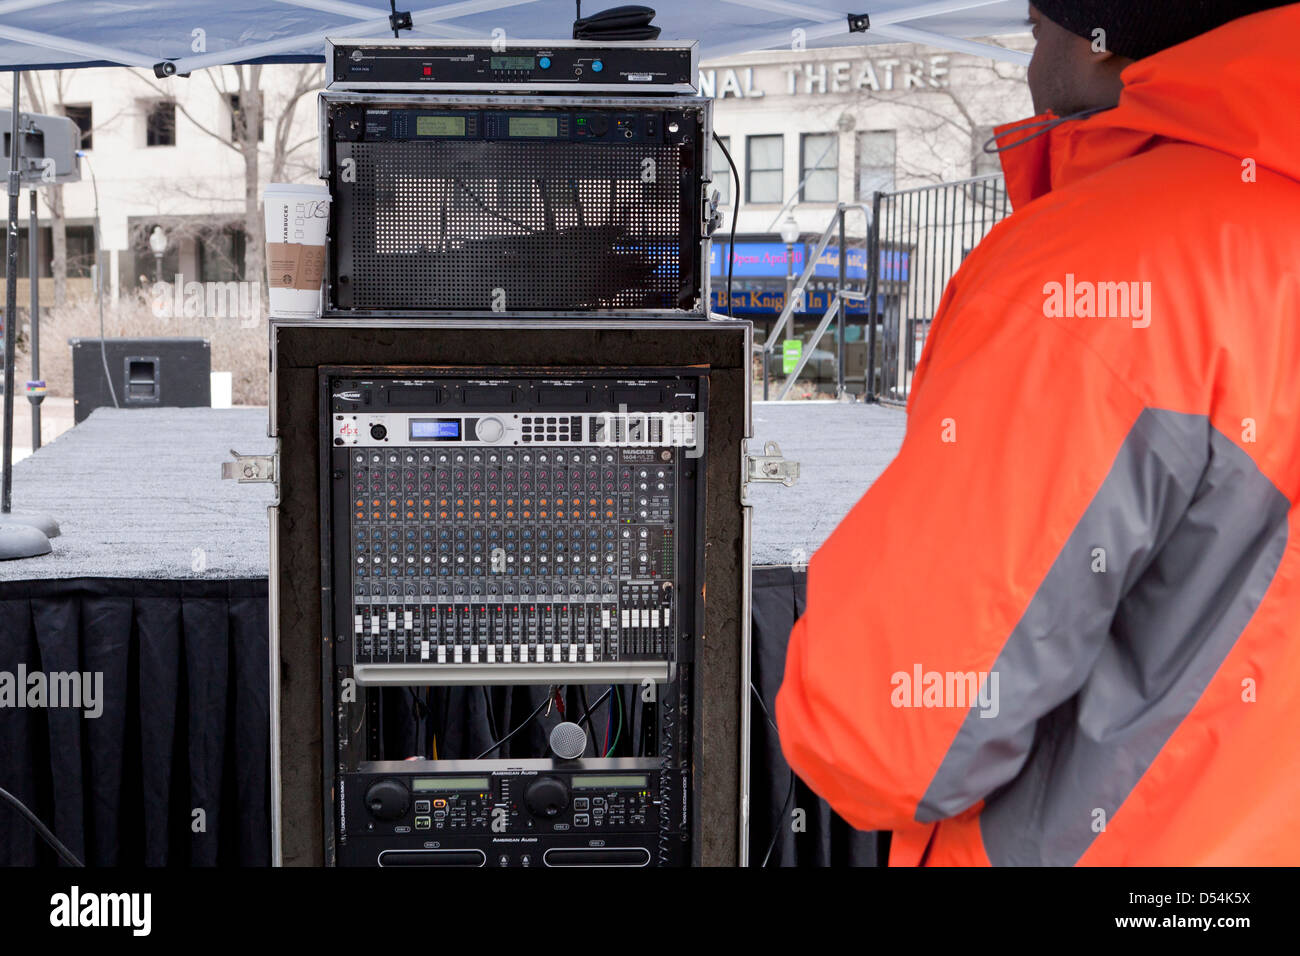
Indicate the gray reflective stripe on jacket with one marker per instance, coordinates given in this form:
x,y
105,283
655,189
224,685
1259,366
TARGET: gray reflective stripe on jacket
x,y
1191,534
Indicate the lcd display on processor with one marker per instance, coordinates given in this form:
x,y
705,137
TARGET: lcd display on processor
x,y
435,429
534,126
615,782
425,784
440,126
512,62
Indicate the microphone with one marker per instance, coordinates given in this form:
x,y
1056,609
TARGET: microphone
x,y
568,740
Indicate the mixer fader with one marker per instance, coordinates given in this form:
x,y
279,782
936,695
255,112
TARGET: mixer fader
x,y
515,528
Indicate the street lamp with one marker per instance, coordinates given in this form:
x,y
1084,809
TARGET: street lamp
x,y
158,243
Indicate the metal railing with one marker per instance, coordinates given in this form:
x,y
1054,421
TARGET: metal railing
x,y
835,311
918,239
915,241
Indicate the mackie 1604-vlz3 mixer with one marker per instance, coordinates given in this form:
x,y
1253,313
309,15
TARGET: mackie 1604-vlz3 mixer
x,y
506,528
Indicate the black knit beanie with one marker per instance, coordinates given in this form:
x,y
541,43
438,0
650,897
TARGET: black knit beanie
x,y
1138,28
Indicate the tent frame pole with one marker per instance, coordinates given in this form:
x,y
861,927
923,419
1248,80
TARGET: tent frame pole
x,y
92,50
425,17
11,305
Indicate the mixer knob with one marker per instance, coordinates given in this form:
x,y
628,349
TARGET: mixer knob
x,y
489,429
546,797
388,800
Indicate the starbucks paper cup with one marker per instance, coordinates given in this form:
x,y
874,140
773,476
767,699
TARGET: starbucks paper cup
x,y
296,221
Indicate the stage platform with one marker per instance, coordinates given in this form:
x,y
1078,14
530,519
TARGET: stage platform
x,y
841,450
159,583
138,494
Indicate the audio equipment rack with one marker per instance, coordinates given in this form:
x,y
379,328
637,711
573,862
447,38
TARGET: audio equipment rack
x,y
511,428
513,526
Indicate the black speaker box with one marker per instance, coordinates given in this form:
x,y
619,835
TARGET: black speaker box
x,y
146,373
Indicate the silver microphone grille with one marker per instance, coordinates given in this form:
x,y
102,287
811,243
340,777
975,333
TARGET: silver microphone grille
x,y
568,740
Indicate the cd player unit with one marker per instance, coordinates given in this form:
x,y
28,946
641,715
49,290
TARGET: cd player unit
x,y
617,812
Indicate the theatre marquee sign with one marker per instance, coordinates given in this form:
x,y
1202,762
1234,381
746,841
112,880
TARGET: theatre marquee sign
x,y
827,77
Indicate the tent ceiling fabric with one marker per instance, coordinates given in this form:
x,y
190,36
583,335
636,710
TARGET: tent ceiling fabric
x,y
51,34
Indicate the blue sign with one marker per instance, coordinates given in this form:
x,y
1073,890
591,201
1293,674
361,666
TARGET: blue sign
x,y
770,301
767,259
755,259
829,263
894,265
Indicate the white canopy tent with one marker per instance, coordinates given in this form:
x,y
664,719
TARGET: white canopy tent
x,y
180,36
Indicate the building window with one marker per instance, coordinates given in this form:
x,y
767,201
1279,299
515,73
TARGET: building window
x,y
236,119
81,115
220,253
876,158
722,171
819,167
764,169
982,163
80,251
160,123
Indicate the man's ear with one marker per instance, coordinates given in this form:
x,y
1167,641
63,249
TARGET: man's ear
x,y
1111,62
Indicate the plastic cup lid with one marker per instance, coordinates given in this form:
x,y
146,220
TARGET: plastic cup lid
x,y
321,192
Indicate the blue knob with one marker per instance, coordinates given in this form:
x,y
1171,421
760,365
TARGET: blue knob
x,y
544,63
597,66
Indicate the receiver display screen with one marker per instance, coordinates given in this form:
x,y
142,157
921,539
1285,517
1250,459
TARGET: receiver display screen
x,y
534,126
440,126
512,62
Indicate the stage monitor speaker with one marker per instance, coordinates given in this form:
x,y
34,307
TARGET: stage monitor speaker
x,y
147,373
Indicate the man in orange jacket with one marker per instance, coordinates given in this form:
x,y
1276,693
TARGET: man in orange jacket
x,y
1063,627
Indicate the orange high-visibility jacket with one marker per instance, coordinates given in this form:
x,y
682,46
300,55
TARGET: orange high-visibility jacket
x,y
1095,502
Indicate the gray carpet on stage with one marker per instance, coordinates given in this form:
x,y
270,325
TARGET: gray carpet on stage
x,y
841,450
138,494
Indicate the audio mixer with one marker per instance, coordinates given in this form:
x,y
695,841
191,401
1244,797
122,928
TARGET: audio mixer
x,y
503,528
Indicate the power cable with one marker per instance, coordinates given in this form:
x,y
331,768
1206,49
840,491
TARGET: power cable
x,y
41,829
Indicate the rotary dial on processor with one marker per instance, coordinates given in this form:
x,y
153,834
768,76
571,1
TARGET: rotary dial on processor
x,y
489,429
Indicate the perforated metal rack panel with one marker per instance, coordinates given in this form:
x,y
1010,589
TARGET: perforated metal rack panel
x,y
585,209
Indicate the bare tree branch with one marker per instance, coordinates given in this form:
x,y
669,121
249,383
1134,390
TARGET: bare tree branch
x,y
169,97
